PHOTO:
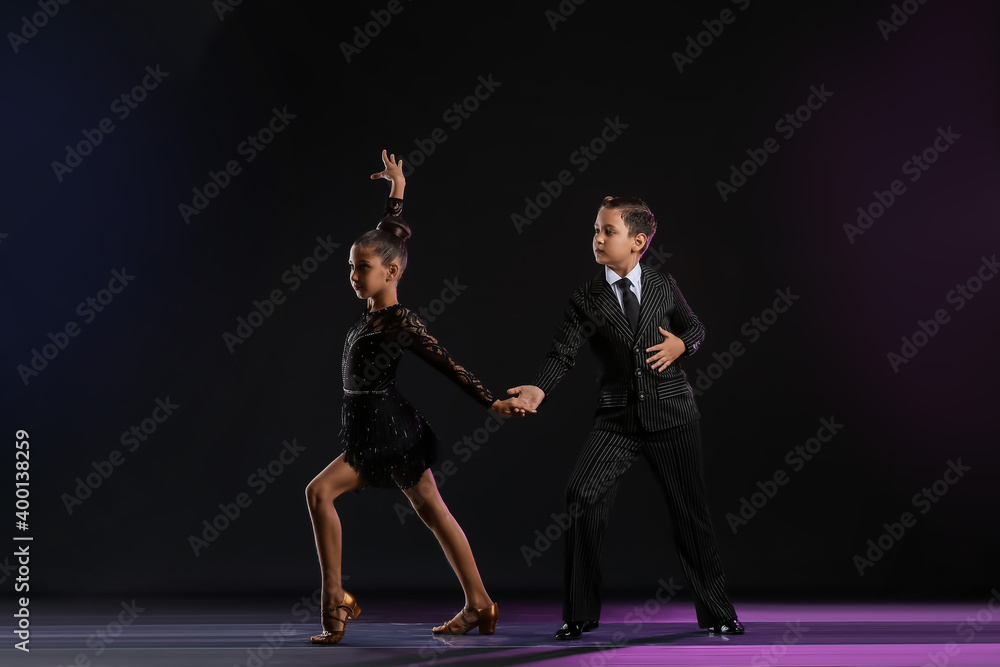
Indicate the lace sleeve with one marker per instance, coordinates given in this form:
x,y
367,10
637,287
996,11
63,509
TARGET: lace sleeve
x,y
427,347
393,206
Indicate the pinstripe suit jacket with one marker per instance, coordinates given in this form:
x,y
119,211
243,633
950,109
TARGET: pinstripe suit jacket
x,y
630,392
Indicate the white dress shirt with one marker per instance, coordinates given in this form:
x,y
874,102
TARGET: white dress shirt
x,y
634,276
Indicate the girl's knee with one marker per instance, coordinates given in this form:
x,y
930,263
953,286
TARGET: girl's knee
x,y
318,493
313,492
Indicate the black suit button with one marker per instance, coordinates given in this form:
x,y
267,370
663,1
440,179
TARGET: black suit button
x,y
638,372
636,350
642,396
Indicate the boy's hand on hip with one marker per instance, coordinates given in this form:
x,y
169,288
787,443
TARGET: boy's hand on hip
x,y
671,348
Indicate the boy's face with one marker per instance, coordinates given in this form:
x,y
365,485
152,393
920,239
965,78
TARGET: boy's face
x,y
612,244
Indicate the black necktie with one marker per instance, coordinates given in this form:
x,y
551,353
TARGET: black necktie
x,y
631,303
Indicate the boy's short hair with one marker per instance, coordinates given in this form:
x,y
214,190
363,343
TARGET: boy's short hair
x,y
637,216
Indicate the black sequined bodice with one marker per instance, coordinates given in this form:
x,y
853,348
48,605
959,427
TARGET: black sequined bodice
x,y
376,342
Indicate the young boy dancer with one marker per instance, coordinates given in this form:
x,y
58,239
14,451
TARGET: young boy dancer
x,y
638,324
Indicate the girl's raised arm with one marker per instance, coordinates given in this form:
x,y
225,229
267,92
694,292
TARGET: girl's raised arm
x,y
393,172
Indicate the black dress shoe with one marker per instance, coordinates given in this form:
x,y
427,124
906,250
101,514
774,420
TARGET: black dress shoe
x,y
733,627
572,629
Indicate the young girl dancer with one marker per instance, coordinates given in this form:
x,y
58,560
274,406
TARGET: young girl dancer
x,y
387,443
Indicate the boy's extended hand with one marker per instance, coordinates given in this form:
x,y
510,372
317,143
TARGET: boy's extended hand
x,y
530,395
512,407
671,348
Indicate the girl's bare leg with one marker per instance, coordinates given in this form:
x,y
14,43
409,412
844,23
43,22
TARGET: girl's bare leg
x,y
434,513
337,478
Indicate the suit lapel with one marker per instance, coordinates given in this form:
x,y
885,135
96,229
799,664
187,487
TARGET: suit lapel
x,y
653,293
607,302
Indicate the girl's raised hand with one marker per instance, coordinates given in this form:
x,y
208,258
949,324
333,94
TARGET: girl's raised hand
x,y
393,170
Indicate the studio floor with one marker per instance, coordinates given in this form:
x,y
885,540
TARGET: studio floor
x,y
275,631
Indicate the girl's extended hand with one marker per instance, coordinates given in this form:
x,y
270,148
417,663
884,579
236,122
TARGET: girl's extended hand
x,y
530,396
512,407
393,170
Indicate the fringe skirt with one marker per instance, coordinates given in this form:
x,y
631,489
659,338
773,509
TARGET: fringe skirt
x,y
385,439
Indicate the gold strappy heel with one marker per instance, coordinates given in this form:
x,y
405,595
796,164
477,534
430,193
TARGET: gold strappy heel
x,y
486,621
328,637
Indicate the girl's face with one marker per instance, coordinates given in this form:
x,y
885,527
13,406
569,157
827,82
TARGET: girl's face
x,y
612,244
368,274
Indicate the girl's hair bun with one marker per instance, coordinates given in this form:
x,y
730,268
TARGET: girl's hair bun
x,y
396,226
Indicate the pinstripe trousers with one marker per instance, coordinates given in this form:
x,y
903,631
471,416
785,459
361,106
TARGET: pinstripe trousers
x,y
675,457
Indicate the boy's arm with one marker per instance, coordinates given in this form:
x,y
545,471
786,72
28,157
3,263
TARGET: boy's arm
x,y
562,355
692,331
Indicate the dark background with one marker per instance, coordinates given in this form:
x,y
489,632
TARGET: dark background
x,y
824,358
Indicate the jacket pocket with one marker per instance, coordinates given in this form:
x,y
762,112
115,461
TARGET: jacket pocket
x,y
672,387
612,398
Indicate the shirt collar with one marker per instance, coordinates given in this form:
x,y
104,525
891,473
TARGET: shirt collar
x,y
634,276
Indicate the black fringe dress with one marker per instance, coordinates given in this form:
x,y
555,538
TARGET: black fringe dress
x,y
384,438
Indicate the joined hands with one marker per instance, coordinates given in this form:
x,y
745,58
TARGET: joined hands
x,y
528,398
